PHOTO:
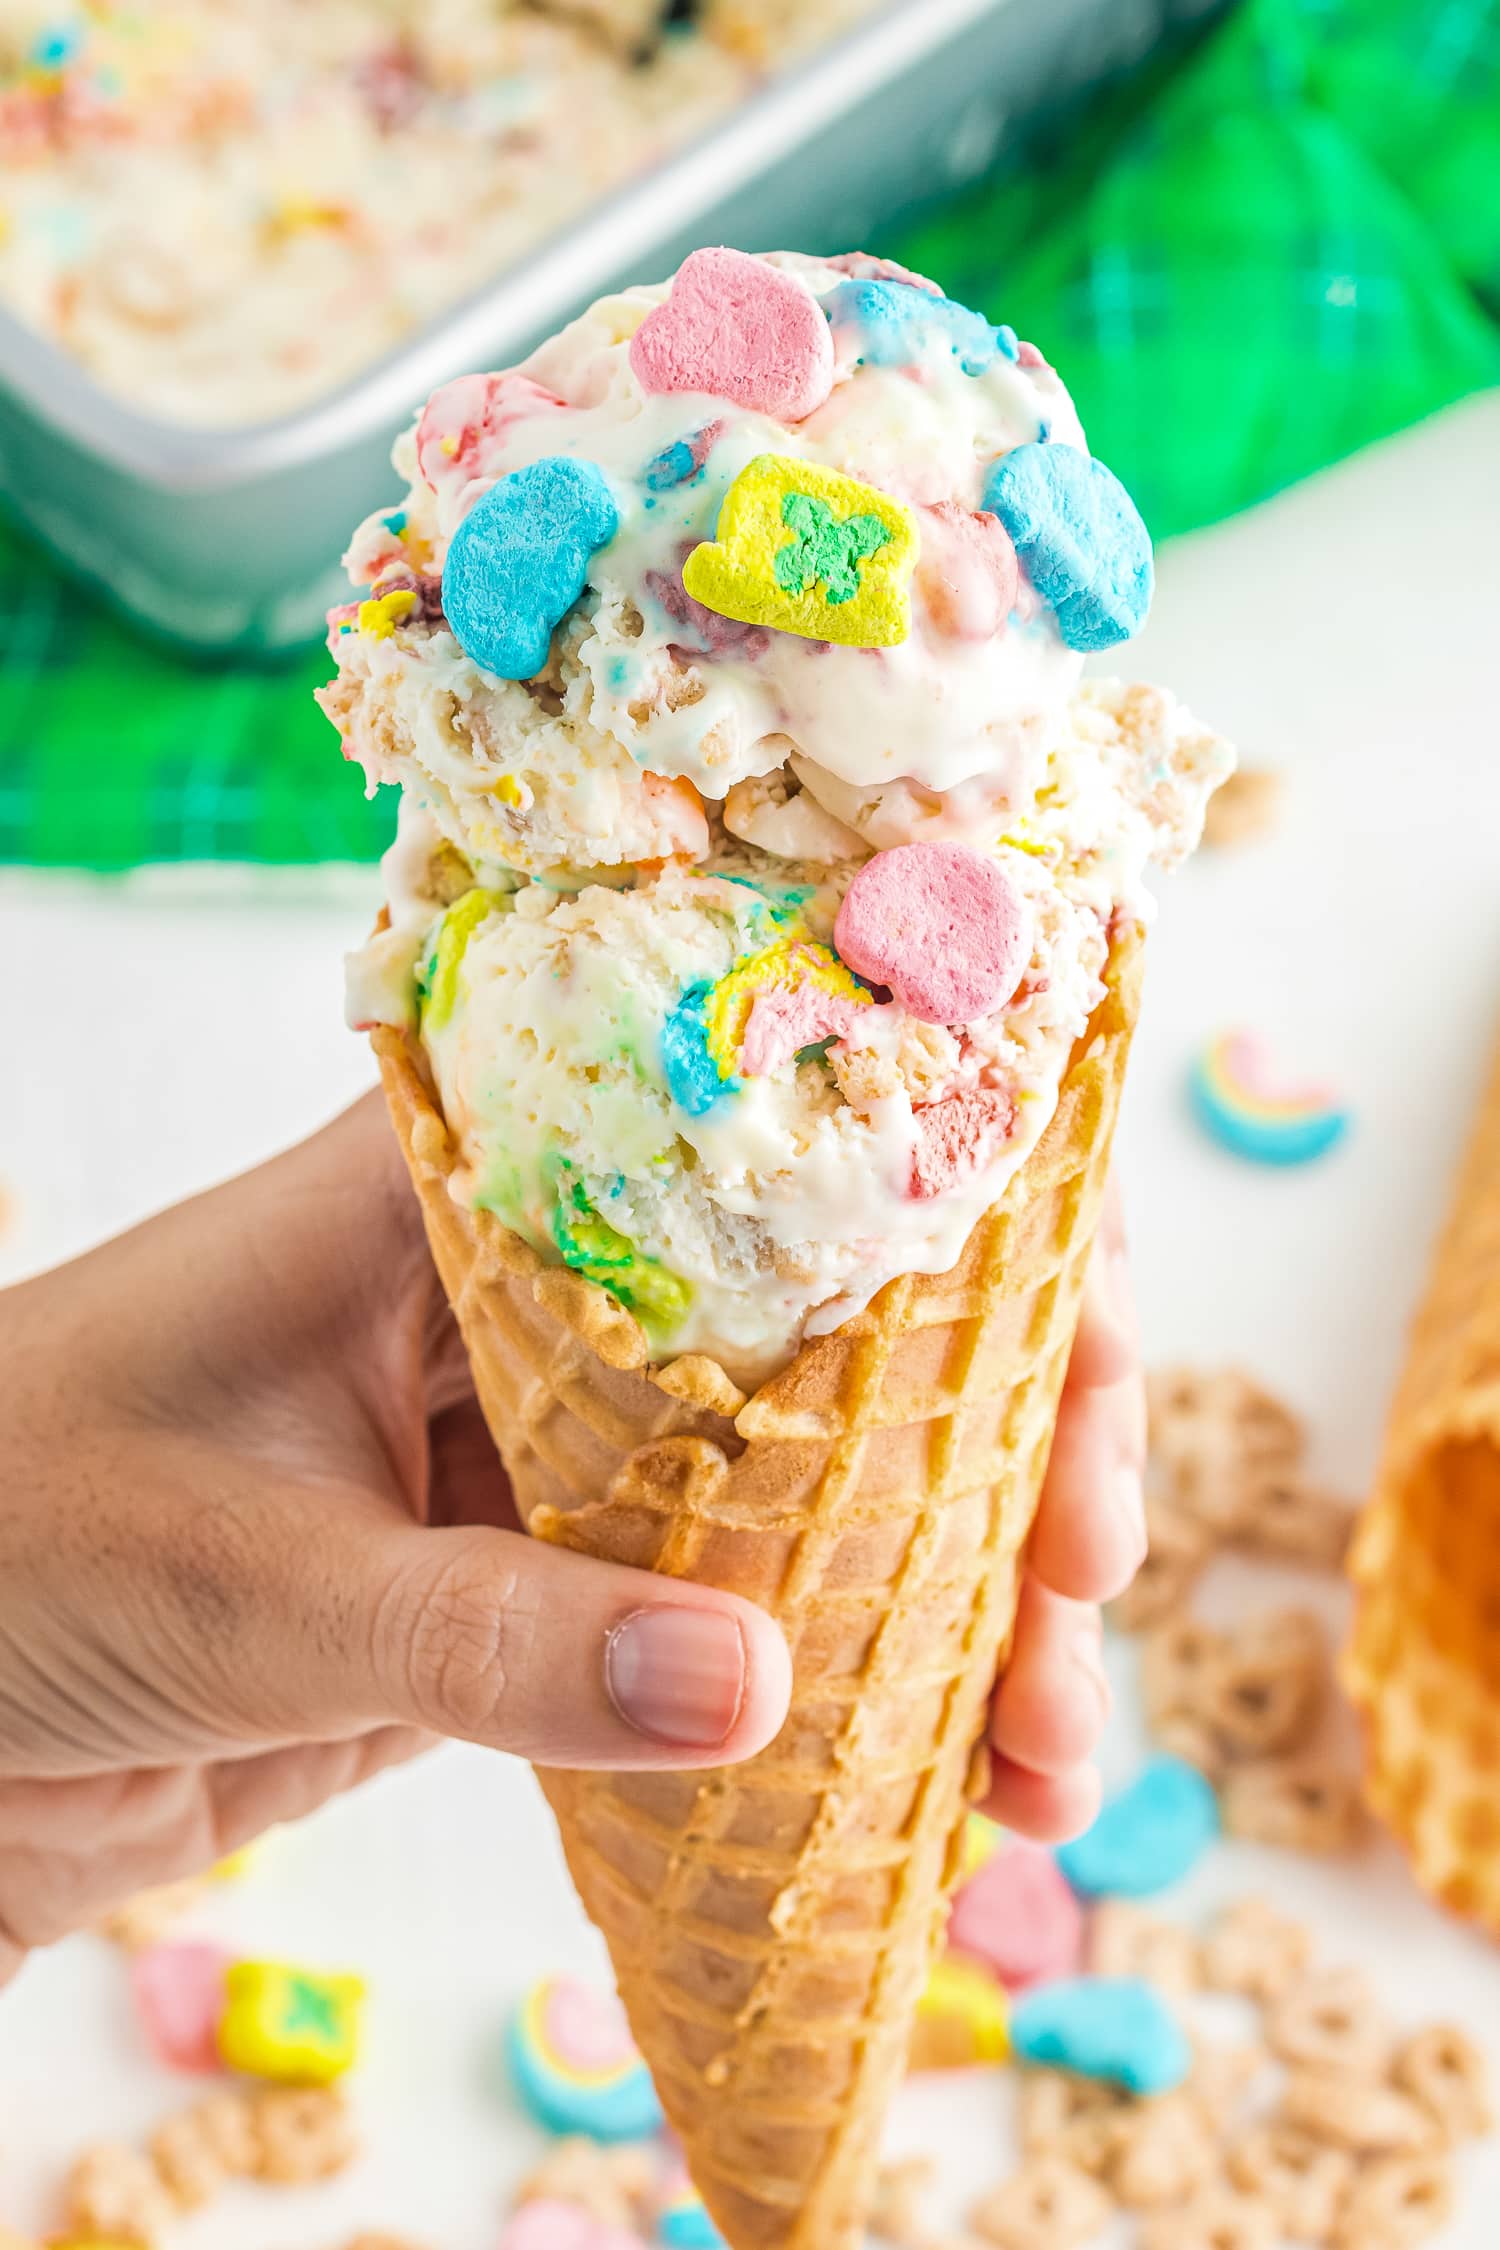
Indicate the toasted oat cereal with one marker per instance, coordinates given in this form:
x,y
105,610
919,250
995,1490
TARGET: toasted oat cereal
x,y
112,2194
1047,2205
1353,2113
1330,2020
1395,2202
1078,2119
1221,2218
1255,1950
1217,1439
1257,1689
1167,2153
900,2190
1443,2069
1267,1690
147,1917
613,2184
186,2152
1125,1940
1177,1548
1189,1735
1222,2078
301,2133
1298,1521
1301,2179
1244,807
1303,1804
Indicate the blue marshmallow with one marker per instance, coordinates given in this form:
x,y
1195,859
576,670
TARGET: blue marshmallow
x,y
1151,1835
1080,538
896,322
519,561
1117,2028
692,1075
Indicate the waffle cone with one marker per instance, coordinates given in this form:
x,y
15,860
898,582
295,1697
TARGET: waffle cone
x,y
772,1924
1423,1663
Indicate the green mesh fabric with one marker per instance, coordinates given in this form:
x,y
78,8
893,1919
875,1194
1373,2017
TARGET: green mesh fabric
x,y
1282,250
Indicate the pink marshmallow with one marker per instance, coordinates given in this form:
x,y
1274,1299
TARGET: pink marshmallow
x,y
788,1018
1018,1918
1027,355
179,1997
464,425
739,329
940,924
548,2223
967,573
956,1136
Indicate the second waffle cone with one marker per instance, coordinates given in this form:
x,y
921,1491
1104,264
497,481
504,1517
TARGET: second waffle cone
x,y
772,1924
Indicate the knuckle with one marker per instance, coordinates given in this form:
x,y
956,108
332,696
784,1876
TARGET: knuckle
x,y
456,1632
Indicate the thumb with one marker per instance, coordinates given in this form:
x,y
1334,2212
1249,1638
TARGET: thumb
x,y
496,1638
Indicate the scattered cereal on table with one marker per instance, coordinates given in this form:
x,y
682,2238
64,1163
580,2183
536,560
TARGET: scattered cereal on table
x,y
1124,1940
1218,2219
615,2184
1447,2074
1302,1804
1047,2205
112,2194
1394,2203
1301,2178
1254,1949
1329,2019
1353,2112
301,2133
896,2212
1167,2151
1244,807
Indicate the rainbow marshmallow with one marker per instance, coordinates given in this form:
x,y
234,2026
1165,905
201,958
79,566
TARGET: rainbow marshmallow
x,y
575,2065
1236,1104
682,2223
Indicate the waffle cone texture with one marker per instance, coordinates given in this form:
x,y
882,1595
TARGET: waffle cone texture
x,y
1423,1663
772,1924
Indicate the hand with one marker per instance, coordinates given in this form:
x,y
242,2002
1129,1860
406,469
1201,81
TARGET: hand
x,y
255,1544
1087,1545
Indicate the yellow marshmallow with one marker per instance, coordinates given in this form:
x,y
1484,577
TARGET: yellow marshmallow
x,y
808,550
292,2025
962,2018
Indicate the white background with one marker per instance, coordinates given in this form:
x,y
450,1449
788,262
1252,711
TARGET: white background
x,y
164,1033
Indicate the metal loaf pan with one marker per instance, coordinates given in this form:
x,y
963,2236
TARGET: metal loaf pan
x,y
229,539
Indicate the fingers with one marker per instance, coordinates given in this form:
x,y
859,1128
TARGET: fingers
x,y
1089,1539
1107,1345
1090,1534
1051,1705
1048,1714
499,1639
1049,1808
246,1796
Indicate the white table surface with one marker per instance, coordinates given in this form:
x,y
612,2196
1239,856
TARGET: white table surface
x,y
166,1032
